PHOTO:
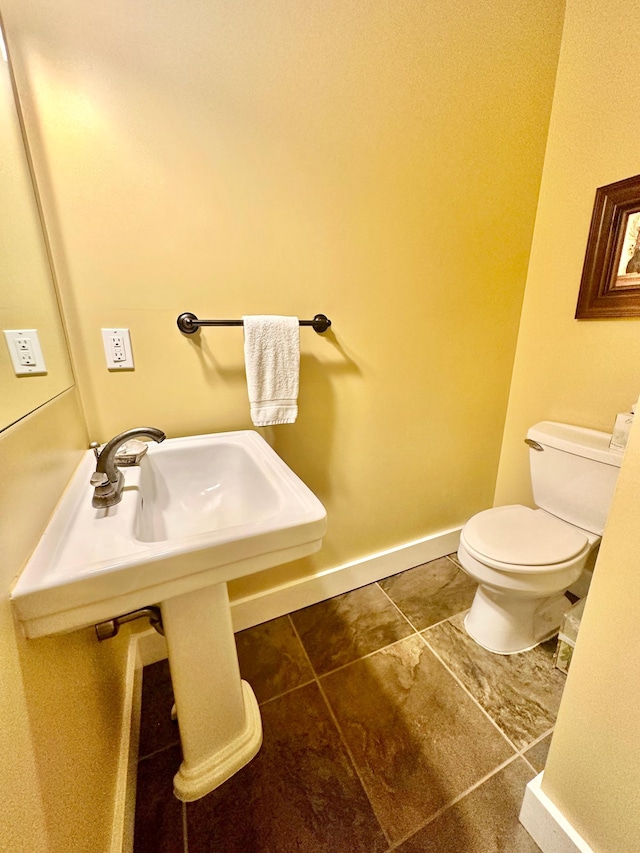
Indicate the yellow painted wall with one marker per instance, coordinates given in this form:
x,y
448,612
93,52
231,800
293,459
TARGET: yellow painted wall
x,y
593,769
576,371
61,696
584,372
378,162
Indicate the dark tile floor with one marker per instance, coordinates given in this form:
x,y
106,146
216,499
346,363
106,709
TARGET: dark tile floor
x,y
385,729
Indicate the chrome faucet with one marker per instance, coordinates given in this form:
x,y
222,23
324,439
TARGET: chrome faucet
x,y
107,480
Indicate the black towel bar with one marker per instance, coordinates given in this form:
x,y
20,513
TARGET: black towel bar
x,y
189,323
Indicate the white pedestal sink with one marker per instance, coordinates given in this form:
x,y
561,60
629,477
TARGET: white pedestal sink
x,y
196,513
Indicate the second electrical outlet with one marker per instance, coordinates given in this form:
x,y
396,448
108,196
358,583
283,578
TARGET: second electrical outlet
x,y
117,349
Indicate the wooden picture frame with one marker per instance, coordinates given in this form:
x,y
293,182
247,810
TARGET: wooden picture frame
x,y
610,285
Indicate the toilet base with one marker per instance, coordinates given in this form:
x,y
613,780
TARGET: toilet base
x,y
508,624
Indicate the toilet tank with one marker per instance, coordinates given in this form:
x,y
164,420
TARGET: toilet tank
x,y
575,473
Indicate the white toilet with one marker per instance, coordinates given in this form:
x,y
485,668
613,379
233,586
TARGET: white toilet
x,y
524,559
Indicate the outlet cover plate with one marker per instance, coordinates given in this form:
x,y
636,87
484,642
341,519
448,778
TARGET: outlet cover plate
x,y
25,351
117,349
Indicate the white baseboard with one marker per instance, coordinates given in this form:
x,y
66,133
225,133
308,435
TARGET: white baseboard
x,y
125,798
254,609
546,824
147,647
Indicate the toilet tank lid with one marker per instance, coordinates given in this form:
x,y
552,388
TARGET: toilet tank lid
x,y
589,443
523,536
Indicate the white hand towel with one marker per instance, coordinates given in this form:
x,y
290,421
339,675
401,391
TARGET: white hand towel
x,y
272,364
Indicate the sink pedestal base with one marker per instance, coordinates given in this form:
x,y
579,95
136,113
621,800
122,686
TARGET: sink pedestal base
x,y
218,715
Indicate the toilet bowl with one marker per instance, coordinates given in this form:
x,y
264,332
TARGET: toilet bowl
x,y
520,599
524,559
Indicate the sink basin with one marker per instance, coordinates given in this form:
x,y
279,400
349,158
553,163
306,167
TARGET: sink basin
x,y
194,514
197,511
220,486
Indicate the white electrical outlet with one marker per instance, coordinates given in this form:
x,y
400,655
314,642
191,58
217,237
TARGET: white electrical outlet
x,y
25,351
117,349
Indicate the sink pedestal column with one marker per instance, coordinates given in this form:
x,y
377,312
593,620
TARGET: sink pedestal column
x,y
218,715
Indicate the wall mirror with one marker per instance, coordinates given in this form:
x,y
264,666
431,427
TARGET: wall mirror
x,y
27,294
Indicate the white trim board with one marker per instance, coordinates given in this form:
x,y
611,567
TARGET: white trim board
x,y
546,824
254,609
145,647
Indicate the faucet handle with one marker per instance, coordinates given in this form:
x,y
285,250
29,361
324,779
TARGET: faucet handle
x,y
130,453
98,479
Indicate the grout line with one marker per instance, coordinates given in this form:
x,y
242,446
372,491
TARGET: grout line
x,y
184,828
158,751
442,621
285,692
520,751
529,746
415,628
316,675
471,696
341,735
450,671
404,615
517,752
401,612
456,800
529,764
447,619
317,679
538,739
344,665
363,657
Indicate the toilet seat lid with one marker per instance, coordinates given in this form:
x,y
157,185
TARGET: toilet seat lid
x,y
523,536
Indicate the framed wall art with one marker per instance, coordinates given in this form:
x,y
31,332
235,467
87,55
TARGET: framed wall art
x,y
610,285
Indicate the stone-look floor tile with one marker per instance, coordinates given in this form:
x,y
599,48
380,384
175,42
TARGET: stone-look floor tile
x,y
430,593
417,739
300,793
272,659
520,692
158,821
485,821
349,626
537,755
157,729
